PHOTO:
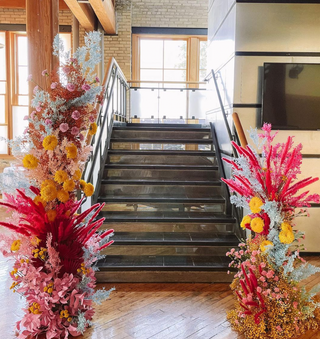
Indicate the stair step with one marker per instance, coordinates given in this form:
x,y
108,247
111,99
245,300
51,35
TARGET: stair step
x,y
159,182
161,128
163,263
174,238
158,199
161,217
162,167
161,141
161,152
182,126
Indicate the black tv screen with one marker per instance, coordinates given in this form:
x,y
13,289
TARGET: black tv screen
x,y
291,96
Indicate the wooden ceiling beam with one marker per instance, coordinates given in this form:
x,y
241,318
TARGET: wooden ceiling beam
x,y
106,14
21,4
84,14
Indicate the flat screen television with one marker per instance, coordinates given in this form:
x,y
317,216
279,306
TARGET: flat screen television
x,y
291,96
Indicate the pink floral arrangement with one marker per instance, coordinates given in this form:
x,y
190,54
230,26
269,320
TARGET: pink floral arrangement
x,y
55,250
268,264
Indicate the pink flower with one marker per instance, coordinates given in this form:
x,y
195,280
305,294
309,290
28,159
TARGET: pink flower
x,y
97,79
26,117
265,284
29,78
279,328
263,279
263,265
75,115
232,250
26,130
36,89
270,274
92,119
44,73
273,295
295,304
276,278
81,136
254,253
66,69
48,122
86,87
75,130
71,87
64,127
253,259
54,85
277,289
241,252
278,296
32,114
264,273
259,289
38,108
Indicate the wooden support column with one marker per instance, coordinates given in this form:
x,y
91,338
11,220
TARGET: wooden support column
x,y
75,34
42,27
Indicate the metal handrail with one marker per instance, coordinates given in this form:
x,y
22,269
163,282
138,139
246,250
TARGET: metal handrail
x,y
114,82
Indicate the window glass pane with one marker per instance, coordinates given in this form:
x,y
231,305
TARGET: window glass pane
x,y
203,55
151,53
2,87
3,144
22,51
23,100
202,74
23,83
66,39
175,54
175,75
2,56
2,109
150,74
19,125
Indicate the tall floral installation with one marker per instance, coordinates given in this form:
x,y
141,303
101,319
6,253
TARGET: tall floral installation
x,y
55,250
271,301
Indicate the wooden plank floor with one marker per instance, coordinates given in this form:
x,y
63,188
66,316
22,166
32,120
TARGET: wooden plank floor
x,y
157,311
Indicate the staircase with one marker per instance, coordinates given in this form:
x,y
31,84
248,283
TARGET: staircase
x,y
164,199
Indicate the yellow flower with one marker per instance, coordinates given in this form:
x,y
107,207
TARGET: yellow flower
x,y
257,225
38,200
246,220
15,245
88,190
30,161
69,185
60,176
48,193
255,205
285,226
48,183
50,142
264,245
93,129
72,151
69,319
77,175
286,237
82,185
51,214
63,196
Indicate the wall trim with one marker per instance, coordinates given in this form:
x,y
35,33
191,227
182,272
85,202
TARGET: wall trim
x,y
276,54
280,1
169,30
246,105
23,28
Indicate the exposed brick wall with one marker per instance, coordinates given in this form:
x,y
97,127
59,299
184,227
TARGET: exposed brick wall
x,y
18,16
170,13
119,46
